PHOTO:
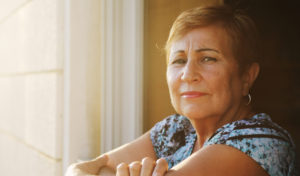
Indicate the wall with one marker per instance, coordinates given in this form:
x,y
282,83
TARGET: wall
x,y
31,75
159,16
49,85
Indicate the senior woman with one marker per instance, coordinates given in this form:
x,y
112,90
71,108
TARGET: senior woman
x,y
211,66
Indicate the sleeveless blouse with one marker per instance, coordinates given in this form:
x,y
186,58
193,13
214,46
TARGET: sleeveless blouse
x,y
263,140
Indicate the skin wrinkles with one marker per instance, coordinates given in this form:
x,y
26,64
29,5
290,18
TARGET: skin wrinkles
x,y
203,61
197,50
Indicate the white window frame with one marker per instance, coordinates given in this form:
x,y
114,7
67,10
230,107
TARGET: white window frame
x,y
121,77
121,72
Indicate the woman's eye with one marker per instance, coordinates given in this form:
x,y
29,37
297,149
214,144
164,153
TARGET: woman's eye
x,y
209,59
179,61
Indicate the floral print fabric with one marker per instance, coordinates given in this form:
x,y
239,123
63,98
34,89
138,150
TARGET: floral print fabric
x,y
263,140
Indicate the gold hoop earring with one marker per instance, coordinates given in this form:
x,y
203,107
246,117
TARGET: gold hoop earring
x,y
249,99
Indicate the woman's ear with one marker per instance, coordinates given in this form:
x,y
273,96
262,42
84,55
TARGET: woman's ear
x,y
249,77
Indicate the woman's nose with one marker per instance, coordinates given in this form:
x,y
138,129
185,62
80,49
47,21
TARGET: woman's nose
x,y
191,73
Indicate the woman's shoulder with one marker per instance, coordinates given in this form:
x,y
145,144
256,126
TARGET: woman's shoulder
x,y
171,124
258,126
174,134
263,140
172,129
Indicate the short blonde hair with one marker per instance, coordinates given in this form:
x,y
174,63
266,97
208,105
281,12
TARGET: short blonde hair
x,y
240,27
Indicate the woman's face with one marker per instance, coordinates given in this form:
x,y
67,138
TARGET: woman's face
x,y
203,75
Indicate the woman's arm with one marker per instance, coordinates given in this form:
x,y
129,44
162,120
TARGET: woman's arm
x,y
217,160
133,151
106,164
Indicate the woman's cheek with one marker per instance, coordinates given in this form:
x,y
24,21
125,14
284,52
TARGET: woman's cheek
x,y
174,84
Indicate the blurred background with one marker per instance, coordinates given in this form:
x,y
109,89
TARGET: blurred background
x,y
79,77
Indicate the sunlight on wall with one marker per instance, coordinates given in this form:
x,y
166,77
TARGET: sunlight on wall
x,y
32,81
31,87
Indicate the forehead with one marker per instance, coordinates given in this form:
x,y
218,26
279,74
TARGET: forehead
x,y
212,36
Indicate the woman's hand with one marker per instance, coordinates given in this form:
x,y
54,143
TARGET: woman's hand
x,y
148,167
87,168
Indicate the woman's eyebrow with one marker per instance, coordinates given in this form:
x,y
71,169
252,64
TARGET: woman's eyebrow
x,y
197,50
206,49
179,51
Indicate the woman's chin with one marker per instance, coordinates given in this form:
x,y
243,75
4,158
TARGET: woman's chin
x,y
195,115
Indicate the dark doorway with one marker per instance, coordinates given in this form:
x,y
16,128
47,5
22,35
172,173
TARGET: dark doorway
x,y
277,90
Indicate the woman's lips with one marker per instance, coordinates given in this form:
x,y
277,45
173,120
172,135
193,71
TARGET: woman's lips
x,y
192,94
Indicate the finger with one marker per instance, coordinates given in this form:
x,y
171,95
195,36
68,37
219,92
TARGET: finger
x,y
107,171
135,168
93,166
147,166
122,170
101,160
73,170
161,167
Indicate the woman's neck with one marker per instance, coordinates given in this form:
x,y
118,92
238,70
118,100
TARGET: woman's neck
x,y
206,127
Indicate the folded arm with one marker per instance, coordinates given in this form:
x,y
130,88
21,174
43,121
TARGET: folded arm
x,y
217,160
106,164
133,151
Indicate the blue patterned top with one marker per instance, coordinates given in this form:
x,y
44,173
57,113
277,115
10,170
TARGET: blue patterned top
x,y
263,140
